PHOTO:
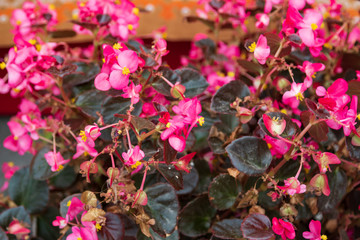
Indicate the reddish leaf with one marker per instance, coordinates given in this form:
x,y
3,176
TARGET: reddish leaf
x,y
113,229
257,226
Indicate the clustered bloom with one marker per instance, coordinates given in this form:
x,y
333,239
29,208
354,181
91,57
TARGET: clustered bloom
x,y
315,231
8,168
283,228
55,160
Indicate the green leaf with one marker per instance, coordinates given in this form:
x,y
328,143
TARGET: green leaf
x,y
163,206
169,153
257,226
354,89
227,229
173,176
117,105
3,235
249,155
65,178
114,228
29,192
289,169
85,72
250,66
354,151
227,94
203,170
90,102
218,135
191,180
208,23
207,46
45,229
41,170
193,81
195,218
7,216
160,85
155,236
337,183
223,191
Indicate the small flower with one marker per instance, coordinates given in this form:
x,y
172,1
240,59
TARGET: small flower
x,y
75,206
315,231
260,49
133,156
132,92
18,228
59,221
320,182
283,228
323,159
295,95
292,186
274,125
55,160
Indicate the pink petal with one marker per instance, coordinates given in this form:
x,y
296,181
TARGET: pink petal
x,y
339,87
102,82
129,59
177,142
118,80
315,227
307,36
321,91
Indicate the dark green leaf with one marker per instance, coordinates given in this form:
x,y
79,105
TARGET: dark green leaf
x,y
160,85
218,135
227,94
338,184
44,223
90,102
257,226
62,34
155,236
207,45
250,66
87,25
193,81
195,218
163,206
41,170
191,180
173,176
25,190
169,152
117,105
223,191
85,72
62,72
289,169
291,127
7,216
227,229
3,235
354,151
63,204
114,228
249,155
203,170
65,178
103,19
216,4
273,41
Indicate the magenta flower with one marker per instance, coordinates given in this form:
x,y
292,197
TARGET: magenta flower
x,y
18,229
295,95
132,92
300,4
310,70
315,231
269,4
19,141
307,29
88,232
260,49
335,96
323,159
86,148
8,168
320,182
277,146
292,186
189,109
262,20
283,228
75,207
274,125
173,132
133,157
55,160
60,222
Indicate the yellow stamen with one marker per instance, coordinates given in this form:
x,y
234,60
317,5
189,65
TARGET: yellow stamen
x,y
358,116
314,75
168,125
283,111
68,203
252,47
10,164
276,119
52,7
98,227
15,48
130,27
135,11
164,35
231,74
18,22
79,238
323,237
220,74
269,145
2,65
117,2
328,45
314,26
119,131
60,167
83,136
125,71
86,154
299,96
201,121
16,90
217,87
135,165
32,41
16,138
82,4
103,60
38,47
75,16
117,46
73,100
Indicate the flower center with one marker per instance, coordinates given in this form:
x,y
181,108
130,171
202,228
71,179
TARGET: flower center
x,y
135,165
10,164
299,96
201,121
323,237
314,26
168,125
2,65
135,11
18,22
68,203
125,71
252,47
130,27
83,136
117,46
98,227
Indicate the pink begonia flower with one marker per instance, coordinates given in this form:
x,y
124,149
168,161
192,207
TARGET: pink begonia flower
x,y
262,20
310,70
320,182
217,80
295,95
274,125
269,4
87,232
91,133
59,222
18,229
19,141
260,49
315,231
292,186
133,156
75,206
189,109
307,29
323,159
173,132
160,50
55,160
86,148
284,229
353,37
335,96
300,4
8,168
132,92
277,146
148,110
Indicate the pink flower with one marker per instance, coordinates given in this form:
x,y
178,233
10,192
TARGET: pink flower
x,y
9,169
17,228
277,147
133,157
269,4
323,159
315,231
173,132
91,133
189,109
19,141
292,186
300,4
320,182
295,95
308,28
75,207
283,228
88,232
55,160
132,92
310,70
262,20
274,125
260,49
59,221
86,148
335,96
